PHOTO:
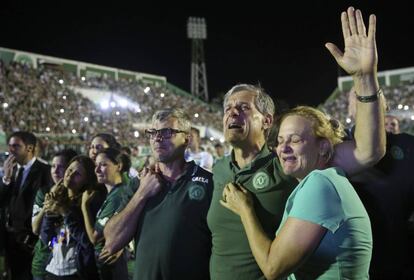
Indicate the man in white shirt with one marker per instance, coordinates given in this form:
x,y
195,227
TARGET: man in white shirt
x,y
202,158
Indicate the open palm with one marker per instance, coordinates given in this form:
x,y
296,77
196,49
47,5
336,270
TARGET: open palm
x,y
360,56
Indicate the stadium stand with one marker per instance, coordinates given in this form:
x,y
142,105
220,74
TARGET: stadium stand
x,y
400,102
66,109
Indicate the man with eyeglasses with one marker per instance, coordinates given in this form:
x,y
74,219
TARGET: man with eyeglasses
x,y
167,214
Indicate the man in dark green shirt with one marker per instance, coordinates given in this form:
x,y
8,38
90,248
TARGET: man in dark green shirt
x,y
252,164
167,214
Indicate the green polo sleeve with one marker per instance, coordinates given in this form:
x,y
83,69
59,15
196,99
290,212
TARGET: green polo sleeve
x,y
109,207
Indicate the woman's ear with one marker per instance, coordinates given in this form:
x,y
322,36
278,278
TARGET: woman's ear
x,y
120,166
325,149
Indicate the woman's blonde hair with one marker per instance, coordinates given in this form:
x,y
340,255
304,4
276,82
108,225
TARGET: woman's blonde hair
x,y
322,126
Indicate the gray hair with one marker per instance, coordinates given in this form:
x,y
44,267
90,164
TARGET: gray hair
x,y
183,119
262,100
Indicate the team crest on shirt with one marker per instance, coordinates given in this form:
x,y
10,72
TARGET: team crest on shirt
x,y
196,192
260,180
397,153
103,221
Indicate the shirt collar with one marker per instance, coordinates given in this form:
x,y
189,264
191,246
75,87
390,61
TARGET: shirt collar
x,y
28,165
263,155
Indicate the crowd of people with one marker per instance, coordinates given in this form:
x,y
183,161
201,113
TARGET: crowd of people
x,y
283,211
400,99
47,102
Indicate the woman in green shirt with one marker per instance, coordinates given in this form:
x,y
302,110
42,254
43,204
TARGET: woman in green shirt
x,y
111,164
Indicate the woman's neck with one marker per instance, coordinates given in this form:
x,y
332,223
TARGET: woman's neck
x,y
110,185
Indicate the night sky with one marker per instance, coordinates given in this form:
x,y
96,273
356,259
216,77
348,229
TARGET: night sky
x,y
280,48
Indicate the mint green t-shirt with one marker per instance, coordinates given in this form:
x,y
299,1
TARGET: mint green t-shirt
x,y
325,197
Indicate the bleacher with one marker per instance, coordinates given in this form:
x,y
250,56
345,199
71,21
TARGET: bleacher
x,y
398,88
65,106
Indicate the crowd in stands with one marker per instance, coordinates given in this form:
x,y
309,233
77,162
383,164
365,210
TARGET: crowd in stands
x,y
397,98
46,101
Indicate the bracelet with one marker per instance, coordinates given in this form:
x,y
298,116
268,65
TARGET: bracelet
x,y
369,98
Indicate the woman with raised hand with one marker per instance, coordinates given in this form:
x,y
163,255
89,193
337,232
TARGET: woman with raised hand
x,y
325,232
63,228
110,166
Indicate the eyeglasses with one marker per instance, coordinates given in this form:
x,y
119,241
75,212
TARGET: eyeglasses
x,y
164,133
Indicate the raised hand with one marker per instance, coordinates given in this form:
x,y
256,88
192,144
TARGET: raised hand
x,y
87,197
8,166
50,204
360,56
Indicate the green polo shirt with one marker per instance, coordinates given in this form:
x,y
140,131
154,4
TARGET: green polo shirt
x,y
109,207
173,240
232,257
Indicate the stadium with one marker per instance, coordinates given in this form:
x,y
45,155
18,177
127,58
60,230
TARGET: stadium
x,y
131,159
79,100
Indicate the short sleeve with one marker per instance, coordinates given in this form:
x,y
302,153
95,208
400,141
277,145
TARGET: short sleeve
x,y
108,210
318,201
38,203
127,193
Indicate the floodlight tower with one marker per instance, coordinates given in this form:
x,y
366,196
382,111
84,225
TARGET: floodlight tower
x,y
197,32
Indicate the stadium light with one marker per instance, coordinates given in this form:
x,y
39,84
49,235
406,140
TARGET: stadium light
x,y
406,107
83,78
147,89
211,138
5,105
64,97
61,81
196,115
400,106
196,28
47,129
62,110
136,133
73,131
162,95
104,105
117,113
85,119
348,120
123,103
